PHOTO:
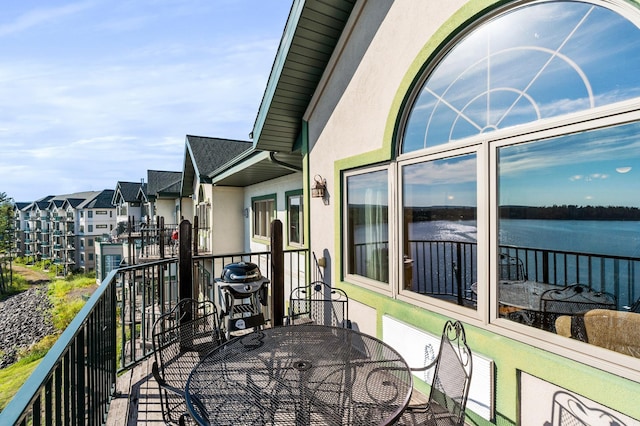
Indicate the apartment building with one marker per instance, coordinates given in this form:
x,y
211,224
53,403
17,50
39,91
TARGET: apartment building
x,y
63,229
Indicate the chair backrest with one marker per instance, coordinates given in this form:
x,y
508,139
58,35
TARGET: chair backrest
x,y
575,299
569,411
511,268
452,374
618,331
571,300
181,337
320,304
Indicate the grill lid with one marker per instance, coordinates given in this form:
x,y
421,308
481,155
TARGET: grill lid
x,y
241,272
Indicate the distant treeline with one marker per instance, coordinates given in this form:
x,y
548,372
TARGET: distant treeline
x,y
570,212
422,214
564,212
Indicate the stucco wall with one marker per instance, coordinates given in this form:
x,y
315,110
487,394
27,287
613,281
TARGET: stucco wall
x,y
351,123
166,209
349,116
276,186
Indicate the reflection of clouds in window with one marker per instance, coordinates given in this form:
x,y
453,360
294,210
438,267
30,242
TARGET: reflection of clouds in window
x,y
596,167
438,172
358,185
449,182
538,61
610,144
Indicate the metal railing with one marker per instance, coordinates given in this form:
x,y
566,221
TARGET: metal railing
x,y
605,273
447,269
75,382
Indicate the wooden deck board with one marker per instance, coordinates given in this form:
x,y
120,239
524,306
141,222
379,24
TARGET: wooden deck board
x,y
138,401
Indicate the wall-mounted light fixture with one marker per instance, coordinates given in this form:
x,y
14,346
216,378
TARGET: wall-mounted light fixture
x,y
319,188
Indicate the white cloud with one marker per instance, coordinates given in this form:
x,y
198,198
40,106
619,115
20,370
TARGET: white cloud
x,y
42,16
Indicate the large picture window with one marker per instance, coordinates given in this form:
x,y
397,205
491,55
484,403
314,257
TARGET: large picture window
x,y
367,215
439,210
536,132
569,231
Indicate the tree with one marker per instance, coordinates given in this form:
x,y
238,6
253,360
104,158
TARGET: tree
x,y
7,241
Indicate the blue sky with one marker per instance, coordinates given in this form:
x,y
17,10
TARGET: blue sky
x,y
95,92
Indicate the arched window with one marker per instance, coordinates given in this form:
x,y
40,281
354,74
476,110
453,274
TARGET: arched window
x,y
519,196
537,61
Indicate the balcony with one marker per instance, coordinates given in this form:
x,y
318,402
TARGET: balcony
x,y
106,349
103,357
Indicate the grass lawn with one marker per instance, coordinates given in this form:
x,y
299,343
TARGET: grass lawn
x,y
68,296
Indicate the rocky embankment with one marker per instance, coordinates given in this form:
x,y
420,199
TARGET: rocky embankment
x,y
24,319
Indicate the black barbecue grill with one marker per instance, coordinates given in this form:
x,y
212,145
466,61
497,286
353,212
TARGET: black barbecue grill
x,y
243,291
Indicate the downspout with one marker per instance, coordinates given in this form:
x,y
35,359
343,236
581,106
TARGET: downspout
x,y
272,157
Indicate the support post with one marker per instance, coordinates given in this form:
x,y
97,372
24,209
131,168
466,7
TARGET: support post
x,y
196,229
185,262
161,234
277,274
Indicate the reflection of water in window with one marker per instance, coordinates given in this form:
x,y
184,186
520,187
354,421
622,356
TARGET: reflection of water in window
x,y
558,57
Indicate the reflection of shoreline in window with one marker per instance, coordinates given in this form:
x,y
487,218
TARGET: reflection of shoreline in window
x,y
368,225
439,200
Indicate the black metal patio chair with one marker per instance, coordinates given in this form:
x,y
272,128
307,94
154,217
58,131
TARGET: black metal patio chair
x,y
572,300
320,304
511,268
450,386
181,337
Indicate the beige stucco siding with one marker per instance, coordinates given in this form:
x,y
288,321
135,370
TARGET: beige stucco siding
x,y
349,113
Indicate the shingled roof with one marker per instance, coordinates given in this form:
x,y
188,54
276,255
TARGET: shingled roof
x,y
101,201
163,182
203,155
127,191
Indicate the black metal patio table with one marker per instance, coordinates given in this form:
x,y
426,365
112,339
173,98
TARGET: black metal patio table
x,y
300,375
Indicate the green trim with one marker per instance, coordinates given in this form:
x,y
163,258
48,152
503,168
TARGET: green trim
x,y
278,66
287,195
510,356
306,185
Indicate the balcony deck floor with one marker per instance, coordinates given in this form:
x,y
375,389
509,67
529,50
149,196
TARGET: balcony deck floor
x,y
138,401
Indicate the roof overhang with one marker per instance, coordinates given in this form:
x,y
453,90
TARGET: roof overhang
x,y
309,39
256,167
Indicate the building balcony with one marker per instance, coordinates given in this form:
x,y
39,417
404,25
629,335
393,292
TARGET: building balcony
x,y
127,370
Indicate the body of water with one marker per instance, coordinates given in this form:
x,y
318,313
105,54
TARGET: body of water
x,y
609,238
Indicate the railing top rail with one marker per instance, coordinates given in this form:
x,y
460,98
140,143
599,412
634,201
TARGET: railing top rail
x,y
29,391
572,253
245,254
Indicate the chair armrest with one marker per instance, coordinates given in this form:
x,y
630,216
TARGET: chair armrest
x,y
163,383
426,367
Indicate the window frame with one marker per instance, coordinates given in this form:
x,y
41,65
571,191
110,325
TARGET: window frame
x,y
272,216
470,146
487,146
298,193
390,288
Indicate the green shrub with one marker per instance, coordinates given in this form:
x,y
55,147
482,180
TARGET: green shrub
x,y
68,296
